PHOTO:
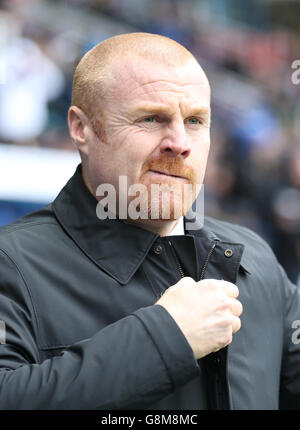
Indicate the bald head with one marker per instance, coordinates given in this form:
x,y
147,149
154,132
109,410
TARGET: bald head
x,y
95,71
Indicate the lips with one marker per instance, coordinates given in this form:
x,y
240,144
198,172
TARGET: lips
x,y
167,174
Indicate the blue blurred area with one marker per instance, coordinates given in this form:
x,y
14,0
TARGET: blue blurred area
x,y
10,211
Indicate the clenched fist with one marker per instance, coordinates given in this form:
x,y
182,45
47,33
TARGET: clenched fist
x,y
207,312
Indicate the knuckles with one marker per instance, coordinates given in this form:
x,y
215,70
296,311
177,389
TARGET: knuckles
x,y
224,301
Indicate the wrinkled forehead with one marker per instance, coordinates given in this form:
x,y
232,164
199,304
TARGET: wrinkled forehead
x,y
137,76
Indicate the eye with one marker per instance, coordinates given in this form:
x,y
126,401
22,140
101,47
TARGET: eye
x,y
193,120
150,119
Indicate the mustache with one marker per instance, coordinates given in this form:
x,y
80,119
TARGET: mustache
x,y
171,166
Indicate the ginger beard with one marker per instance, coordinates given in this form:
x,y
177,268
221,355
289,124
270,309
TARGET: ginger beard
x,y
169,196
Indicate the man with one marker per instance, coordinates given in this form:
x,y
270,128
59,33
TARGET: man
x,y
142,312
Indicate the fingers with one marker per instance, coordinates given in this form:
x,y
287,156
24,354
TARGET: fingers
x,y
236,307
232,292
230,289
236,324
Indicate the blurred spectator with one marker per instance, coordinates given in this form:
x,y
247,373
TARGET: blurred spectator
x,y
32,81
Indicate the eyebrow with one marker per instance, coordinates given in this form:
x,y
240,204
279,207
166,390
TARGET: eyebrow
x,y
149,107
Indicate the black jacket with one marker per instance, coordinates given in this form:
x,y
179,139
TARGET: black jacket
x,y
77,295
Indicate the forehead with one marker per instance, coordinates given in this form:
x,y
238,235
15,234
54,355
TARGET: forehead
x,y
135,80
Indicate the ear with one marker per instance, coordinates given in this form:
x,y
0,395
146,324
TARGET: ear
x,y
79,127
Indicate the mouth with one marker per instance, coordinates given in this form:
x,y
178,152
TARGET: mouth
x,y
167,174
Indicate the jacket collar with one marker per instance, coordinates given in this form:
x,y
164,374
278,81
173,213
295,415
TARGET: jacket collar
x,y
116,247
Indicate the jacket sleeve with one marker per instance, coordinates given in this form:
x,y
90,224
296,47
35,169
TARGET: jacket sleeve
x,y
290,372
127,365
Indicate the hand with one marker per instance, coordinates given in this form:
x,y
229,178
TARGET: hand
x,y
207,312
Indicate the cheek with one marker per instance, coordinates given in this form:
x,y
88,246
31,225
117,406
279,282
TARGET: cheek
x,y
200,158
102,166
129,147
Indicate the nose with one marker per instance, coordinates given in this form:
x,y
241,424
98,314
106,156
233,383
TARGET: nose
x,y
176,141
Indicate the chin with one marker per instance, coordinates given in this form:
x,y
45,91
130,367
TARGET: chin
x,y
166,209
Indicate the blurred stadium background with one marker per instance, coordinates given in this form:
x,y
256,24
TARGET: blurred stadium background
x,y
249,50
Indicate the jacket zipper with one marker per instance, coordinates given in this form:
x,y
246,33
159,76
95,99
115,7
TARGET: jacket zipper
x,y
217,382
217,388
217,370
207,259
177,260
205,262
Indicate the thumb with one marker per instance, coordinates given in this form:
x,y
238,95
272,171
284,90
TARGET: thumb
x,y
183,281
